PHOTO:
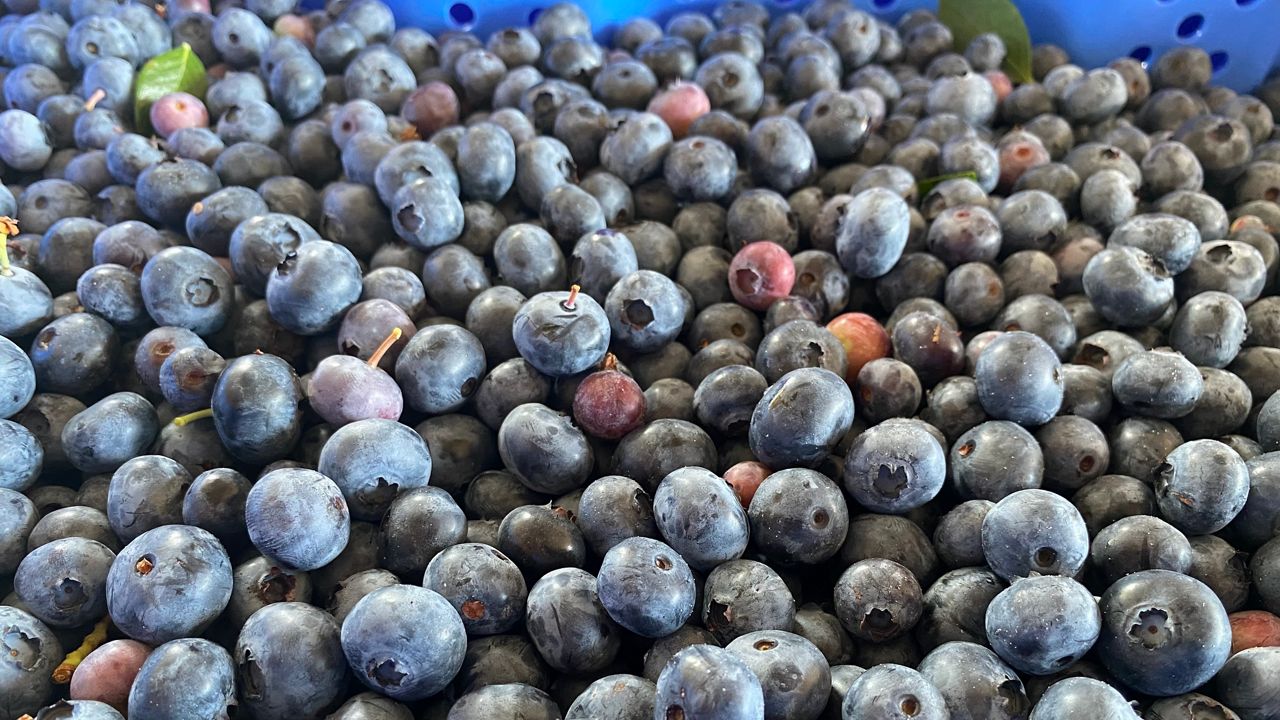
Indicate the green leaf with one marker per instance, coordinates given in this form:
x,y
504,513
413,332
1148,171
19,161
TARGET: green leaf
x,y
970,18
178,70
924,186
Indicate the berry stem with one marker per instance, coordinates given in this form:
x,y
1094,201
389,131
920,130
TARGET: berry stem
x,y
184,420
573,297
62,674
8,227
391,339
97,97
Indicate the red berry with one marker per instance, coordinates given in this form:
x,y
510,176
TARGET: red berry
x,y
608,404
1254,628
864,339
744,478
430,108
1000,83
679,105
176,111
297,27
760,273
106,674
1019,156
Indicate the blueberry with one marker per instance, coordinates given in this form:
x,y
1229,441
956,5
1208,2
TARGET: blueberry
x,y
64,582
1201,486
427,213
1139,542
185,287
800,418
645,310
703,681
1139,445
277,682
995,459
646,587
1034,531
168,583
527,701
1082,697
215,502
801,516
1244,682
894,691
33,653
542,538
159,693
544,467
591,642
793,674
22,456
974,681
255,408
483,585
1162,633
146,492
1043,624
877,600
417,526
615,697
872,232
698,515
110,432
371,461
930,345
894,467
613,509
1231,266
1019,379
1157,383
405,641
302,303
298,518
1128,286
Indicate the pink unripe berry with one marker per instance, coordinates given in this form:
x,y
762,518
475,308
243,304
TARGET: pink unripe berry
x,y
107,674
1017,157
297,27
679,105
176,111
760,273
1000,83
432,107
745,477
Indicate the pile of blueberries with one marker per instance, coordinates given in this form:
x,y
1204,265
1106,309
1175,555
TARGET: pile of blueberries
x,y
749,367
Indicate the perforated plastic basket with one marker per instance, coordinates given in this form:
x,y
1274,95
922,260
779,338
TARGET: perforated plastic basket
x,y
1240,35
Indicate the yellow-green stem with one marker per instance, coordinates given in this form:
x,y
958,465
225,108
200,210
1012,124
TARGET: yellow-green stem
x,y
183,420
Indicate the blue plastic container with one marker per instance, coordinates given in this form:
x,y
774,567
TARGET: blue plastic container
x,y
1238,34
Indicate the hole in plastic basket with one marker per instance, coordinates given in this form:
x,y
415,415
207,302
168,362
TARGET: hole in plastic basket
x,y
1190,26
1219,60
533,15
461,14
1245,3
883,4
1142,53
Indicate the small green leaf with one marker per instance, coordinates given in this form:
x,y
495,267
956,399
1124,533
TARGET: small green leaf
x,y
970,18
924,186
178,70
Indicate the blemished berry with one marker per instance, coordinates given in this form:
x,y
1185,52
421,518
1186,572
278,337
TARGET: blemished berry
x,y
761,273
